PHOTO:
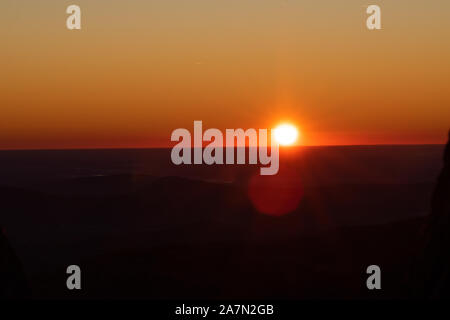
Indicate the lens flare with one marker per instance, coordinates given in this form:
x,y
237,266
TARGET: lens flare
x,y
276,195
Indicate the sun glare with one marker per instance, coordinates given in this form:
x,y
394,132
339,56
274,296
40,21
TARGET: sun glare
x,y
286,134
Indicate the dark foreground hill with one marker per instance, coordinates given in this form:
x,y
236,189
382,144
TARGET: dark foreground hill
x,y
147,237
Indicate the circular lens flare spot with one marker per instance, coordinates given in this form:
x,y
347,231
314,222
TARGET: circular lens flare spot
x,y
275,195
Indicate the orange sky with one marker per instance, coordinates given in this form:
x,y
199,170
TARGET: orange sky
x,y
139,69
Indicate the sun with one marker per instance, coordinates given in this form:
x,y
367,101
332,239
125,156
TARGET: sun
x,y
286,134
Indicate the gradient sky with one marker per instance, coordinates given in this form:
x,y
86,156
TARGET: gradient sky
x,y
139,69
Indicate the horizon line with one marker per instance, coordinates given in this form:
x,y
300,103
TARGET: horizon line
x,y
281,147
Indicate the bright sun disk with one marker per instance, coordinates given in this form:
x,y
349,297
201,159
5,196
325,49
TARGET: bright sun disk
x,y
286,134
